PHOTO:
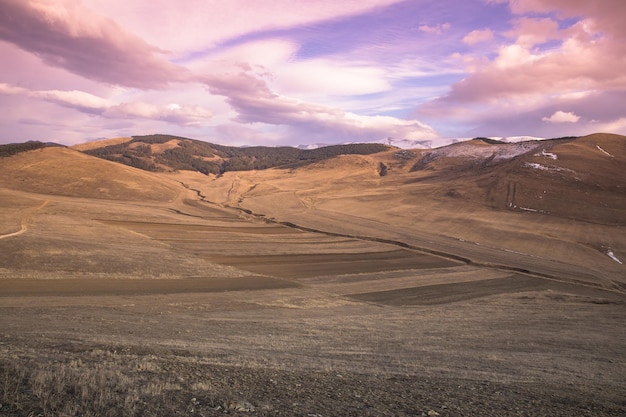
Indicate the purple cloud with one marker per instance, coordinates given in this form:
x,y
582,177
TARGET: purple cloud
x,y
64,34
95,105
256,103
285,71
547,62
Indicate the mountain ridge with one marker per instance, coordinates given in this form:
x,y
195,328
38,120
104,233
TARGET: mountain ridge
x,y
172,153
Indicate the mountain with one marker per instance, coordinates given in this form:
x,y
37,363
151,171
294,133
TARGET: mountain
x,y
398,143
559,199
575,178
513,139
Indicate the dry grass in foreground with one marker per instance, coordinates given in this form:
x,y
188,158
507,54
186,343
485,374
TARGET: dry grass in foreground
x,y
105,382
97,384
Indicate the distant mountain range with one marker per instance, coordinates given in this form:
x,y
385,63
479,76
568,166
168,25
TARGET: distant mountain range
x,y
430,143
167,153
398,143
172,153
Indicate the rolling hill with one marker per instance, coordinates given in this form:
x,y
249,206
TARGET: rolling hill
x,y
577,178
63,171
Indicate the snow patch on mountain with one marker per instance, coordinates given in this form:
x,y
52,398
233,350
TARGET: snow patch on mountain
x,y
547,154
603,151
611,255
441,142
495,152
540,167
536,166
515,139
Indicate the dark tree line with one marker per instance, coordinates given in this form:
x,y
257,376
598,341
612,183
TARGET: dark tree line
x,y
15,148
208,158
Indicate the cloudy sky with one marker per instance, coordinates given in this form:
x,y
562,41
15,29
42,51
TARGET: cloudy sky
x,y
272,72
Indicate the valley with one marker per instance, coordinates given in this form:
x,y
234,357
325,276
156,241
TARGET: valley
x,y
461,287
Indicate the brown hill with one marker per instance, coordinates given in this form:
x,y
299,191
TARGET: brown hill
x,y
574,178
63,171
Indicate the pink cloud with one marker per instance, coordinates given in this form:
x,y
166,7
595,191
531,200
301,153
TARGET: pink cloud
x,y
522,74
532,31
606,15
436,29
548,65
562,117
478,36
187,26
65,34
79,100
94,105
172,113
256,103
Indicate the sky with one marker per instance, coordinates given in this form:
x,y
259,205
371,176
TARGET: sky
x,y
296,72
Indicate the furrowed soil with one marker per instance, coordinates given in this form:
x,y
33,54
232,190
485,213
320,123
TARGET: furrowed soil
x,y
265,294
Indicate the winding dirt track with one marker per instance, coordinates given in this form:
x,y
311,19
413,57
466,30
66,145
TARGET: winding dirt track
x,y
24,222
23,229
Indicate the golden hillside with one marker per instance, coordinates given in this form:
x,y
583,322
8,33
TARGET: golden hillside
x,y
64,171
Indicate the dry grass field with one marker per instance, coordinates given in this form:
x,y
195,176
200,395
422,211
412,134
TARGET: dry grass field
x,y
327,290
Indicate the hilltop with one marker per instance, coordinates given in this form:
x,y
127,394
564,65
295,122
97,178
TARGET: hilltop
x,y
63,171
574,178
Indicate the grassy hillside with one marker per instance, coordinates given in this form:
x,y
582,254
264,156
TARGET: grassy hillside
x,y
174,153
64,171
